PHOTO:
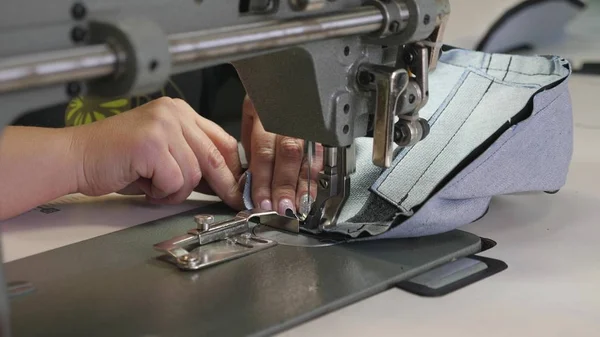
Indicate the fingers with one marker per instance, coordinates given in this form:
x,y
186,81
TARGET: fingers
x,y
225,143
163,149
166,177
316,167
288,160
261,165
190,170
275,163
214,168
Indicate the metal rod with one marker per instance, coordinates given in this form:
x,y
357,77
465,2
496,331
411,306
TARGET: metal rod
x,y
56,67
330,156
202,47
91,62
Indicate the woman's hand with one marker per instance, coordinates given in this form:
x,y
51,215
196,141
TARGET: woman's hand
x,y
163,149
278,166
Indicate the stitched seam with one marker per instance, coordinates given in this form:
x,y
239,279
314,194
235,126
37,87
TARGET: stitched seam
x,y
364,225
449,141
541,111
393,201
519,84
392,169
453,93
507,68
512,71
512,83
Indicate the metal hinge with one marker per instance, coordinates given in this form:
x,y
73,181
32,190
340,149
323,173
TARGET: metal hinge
x,y
227,240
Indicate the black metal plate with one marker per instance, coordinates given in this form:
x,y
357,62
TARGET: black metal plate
x,y
114,285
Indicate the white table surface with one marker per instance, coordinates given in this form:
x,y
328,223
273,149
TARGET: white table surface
x,y
550,242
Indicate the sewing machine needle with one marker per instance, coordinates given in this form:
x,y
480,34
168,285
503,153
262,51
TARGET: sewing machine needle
x,y
310,158
306,201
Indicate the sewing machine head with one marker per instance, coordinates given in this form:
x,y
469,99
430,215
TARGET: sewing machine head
x,y
336,90
324,71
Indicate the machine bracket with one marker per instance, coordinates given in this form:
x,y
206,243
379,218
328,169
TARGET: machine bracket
x,y
215,243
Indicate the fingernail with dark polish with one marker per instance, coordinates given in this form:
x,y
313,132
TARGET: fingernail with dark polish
x,y
284,205
266,205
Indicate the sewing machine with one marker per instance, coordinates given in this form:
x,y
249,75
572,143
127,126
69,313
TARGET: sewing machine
x,y
324,71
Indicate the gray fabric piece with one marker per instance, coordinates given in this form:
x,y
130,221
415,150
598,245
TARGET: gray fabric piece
x,y
469,90
533,155
473,96
460,127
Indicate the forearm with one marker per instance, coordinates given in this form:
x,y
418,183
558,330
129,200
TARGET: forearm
x,y
37,165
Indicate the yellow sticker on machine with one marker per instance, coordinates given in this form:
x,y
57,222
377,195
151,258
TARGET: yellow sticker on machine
x,y
86,110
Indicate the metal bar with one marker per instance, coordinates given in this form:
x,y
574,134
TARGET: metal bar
x,y
91,62
56,67
330,156
202,47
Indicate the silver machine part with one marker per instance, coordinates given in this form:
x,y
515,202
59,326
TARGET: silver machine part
x,y
207,46
389,83
223,241
307,5
293,240
204,221
332,189
26,72
299,61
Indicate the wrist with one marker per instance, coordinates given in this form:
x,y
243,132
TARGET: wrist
x,y
75,157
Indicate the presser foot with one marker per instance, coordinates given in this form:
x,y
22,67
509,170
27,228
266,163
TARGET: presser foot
x,y
333,189
213,243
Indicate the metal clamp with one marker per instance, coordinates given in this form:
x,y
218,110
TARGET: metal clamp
x,y
225,240
415,59
410,129
389,84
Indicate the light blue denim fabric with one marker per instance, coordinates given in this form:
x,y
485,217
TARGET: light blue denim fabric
x,y
474,97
